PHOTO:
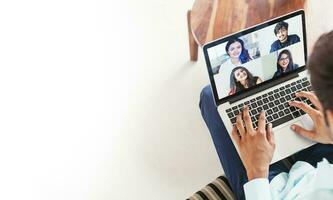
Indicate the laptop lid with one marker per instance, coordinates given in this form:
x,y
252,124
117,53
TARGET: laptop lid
x,y
256,58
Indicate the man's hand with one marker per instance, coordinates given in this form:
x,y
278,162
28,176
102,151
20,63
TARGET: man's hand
x,y
256,147
320,132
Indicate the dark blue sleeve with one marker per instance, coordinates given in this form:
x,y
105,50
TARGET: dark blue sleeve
x,y
297,39
273,47
294,39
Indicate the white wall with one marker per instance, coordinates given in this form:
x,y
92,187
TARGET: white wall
x,y
99,101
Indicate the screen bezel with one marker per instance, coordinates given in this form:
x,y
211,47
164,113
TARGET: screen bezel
x,y
244,32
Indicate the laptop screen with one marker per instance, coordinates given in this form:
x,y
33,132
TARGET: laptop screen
x,y
254,56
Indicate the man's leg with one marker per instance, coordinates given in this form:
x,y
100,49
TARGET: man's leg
x,y
229,158
231,163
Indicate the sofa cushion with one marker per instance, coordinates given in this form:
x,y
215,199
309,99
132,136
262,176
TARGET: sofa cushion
x,y
219,189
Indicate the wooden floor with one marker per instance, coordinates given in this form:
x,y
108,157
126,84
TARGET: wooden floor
x,y
212,19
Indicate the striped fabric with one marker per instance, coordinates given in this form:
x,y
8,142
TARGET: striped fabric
x,y
220,188
217,190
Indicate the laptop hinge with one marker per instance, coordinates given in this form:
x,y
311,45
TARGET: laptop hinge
x,y
263,87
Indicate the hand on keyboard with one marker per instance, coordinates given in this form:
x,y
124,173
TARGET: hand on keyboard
x,y
321,132
275,104
256,146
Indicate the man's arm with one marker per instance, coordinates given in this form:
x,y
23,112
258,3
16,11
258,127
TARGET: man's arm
x,y
256,148
257,189
321,132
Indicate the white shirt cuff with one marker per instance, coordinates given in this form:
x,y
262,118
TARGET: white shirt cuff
x,y
257,189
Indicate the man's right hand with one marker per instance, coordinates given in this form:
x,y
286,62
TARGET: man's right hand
x,y
320,132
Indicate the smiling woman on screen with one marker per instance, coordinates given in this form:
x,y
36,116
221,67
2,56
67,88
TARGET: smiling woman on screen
x,y
284,63
237,53
241,78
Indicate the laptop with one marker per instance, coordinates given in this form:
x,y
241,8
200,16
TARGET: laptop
x,y
263,67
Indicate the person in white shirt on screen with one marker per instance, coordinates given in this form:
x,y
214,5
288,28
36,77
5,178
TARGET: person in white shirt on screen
x,y
249,173
237,53
236,50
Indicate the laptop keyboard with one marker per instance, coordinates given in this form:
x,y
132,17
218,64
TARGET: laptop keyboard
x,y
275,104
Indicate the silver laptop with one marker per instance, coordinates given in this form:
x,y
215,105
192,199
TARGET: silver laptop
x,y
263,67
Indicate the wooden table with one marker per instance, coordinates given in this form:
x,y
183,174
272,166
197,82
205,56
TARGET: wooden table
x,y
212,19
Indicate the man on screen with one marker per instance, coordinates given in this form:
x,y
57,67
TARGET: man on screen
x,y
283,39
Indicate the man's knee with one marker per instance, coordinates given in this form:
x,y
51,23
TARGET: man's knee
x,y
206,97
206,93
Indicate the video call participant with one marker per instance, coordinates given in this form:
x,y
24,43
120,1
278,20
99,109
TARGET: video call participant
x,y
238,55
284,63
284,40
241,78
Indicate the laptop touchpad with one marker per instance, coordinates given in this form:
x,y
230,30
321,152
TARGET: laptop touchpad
x,y
290,142
307,122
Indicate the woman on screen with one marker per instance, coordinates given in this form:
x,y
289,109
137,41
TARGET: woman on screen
x,y
241,78
237,53
284,63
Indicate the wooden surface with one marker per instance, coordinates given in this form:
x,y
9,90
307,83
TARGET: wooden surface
x,y
191,40
212,19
